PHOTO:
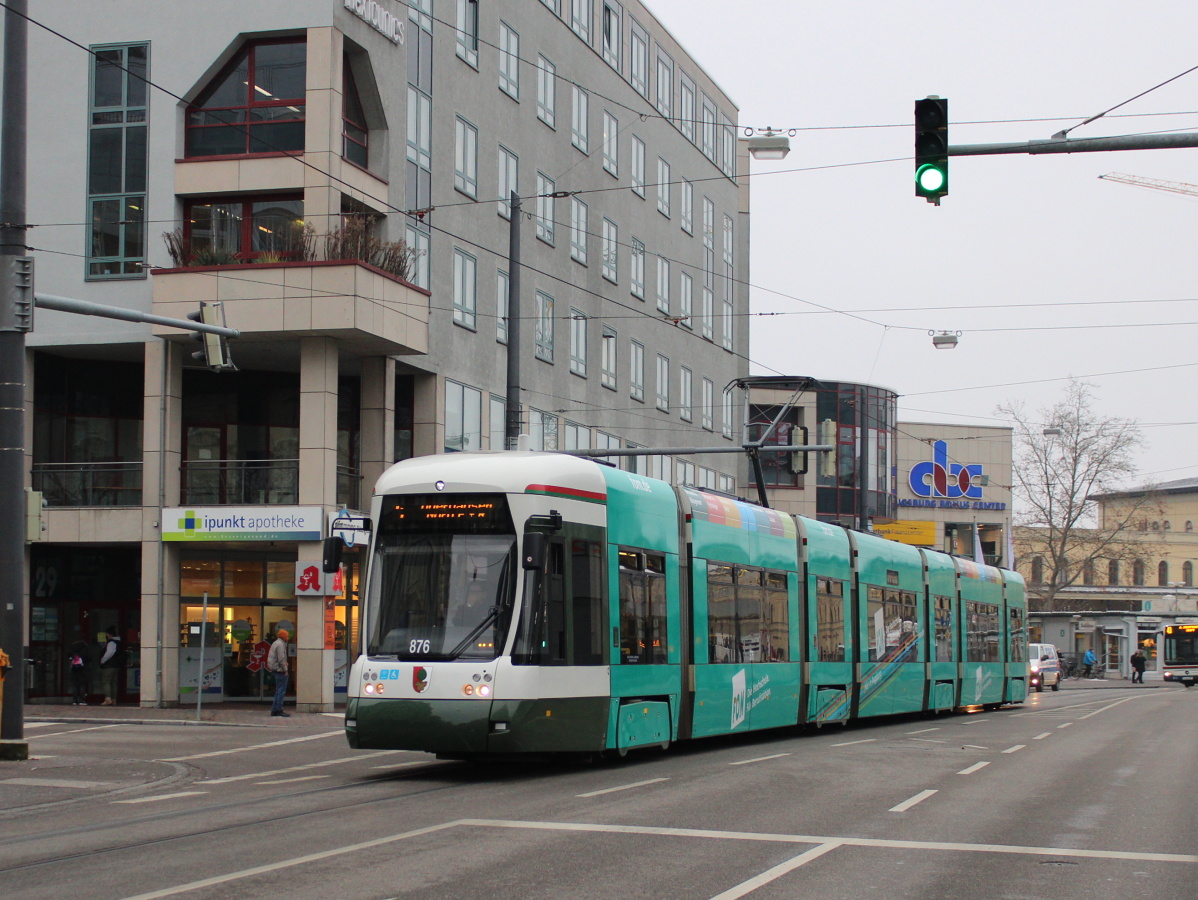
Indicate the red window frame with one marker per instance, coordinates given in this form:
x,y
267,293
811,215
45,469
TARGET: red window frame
x,y
247,224
243,113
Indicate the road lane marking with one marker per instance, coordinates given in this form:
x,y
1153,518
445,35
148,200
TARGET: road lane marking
x,y
298,740
34,737
589,828
162,797
1041,737
973,747
418,762
924,730
1015,749
850,743
1066,725
57,782
289,769
623,787
1102,709
928,741
971,769
29,725
747,887
293,780
745,762
907,804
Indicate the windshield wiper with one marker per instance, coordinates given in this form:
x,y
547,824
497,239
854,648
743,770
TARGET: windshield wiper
x,y
478,629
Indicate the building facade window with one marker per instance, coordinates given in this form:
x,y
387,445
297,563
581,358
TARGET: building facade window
x,y
543,327
685,400
581,14
223,231
509,61
465,289
707,129
578,342
708,404
546,91
665,83
578,230
1137,573
467,31
686,290
419,240
420,128
726,423
638,59
611,144
116,171
727,147
686,106
580,129
608,351
465,170
546,208
638,167
1112,571
1187,574
663,187
663,285
498,413
355,132
501,306
611,251
542,430
636,371
509,178
663,383
463,417
256,104
636,268
1162,574
609,32
687,203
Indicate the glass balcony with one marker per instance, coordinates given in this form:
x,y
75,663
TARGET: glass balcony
x,y
89,483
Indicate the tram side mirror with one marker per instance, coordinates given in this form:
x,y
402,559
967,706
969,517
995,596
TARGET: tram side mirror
x,y
535,544
332,554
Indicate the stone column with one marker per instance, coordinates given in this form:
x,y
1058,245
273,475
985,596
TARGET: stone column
x,y
162,454
378,422
317,487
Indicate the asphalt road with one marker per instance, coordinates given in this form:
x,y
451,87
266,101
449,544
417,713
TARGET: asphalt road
x,y
1085,793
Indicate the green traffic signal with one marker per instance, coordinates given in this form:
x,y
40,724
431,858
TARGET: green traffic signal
x,y
931,148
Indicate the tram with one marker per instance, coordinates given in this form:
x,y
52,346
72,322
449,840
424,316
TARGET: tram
x,y
532,603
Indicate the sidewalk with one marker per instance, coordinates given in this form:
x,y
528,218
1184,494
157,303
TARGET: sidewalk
x,y
245,715
1074,684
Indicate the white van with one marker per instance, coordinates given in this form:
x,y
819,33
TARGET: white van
x,y
1045,666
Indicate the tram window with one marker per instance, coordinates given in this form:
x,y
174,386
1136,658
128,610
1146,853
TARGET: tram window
x,y
981,632
944,629
643,638
747,619
875,622
1017,636
829,614
900,620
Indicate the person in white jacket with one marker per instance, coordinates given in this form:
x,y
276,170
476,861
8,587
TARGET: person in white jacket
x,y
276,662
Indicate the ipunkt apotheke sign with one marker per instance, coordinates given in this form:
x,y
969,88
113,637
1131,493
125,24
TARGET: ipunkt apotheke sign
x,y
242,523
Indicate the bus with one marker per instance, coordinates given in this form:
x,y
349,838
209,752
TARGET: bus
x,y
1180,660
524,602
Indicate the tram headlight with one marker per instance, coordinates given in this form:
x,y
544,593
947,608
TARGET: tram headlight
x,y
368,688
468,689
484,690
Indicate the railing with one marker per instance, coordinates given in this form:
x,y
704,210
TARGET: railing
x,y
89,483
251,482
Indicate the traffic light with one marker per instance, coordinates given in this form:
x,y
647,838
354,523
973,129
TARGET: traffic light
x,y
931,148
215,354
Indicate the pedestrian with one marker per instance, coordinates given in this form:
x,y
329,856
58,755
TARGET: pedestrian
x,y
1138,663
1088,663
78,664
110,664
276,663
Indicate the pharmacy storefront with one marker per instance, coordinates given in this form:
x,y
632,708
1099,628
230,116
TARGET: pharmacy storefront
x,y
244,574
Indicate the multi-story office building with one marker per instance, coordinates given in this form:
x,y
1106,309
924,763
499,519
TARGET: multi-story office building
x,y
336,174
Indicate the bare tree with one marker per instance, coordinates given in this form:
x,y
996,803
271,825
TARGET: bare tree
x,y
1066,458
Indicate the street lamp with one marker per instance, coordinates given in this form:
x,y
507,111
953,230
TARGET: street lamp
x,y
766,143
945,340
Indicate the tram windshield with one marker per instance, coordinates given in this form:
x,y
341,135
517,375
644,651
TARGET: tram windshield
x,y
442,578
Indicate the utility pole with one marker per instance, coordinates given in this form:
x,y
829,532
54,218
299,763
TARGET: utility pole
x,y
511,431
12,381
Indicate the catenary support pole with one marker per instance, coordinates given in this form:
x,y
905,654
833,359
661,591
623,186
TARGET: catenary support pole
x,y
12,379
511,429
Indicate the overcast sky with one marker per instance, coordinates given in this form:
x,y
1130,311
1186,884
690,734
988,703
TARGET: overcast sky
x,y
838,225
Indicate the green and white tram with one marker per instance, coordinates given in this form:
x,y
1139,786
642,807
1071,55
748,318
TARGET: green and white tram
x,y
522,602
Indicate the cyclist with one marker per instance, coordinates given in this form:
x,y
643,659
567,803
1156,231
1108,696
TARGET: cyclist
x,y
1088,663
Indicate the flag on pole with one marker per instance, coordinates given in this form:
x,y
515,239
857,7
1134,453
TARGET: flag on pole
x,y
1009,552
978,556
